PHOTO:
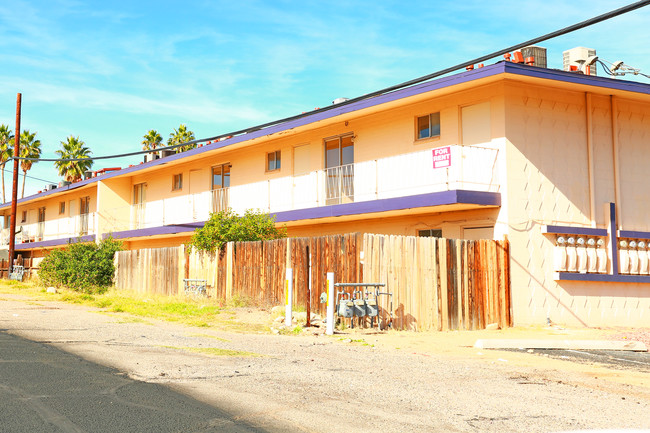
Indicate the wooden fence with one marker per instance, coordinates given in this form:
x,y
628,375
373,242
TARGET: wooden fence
x,y
436,283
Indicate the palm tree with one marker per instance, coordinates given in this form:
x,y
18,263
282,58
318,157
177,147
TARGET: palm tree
x,y
180,136
151,140
6,152
73,148
29,148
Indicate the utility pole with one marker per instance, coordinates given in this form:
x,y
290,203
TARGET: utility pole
x,y
14,191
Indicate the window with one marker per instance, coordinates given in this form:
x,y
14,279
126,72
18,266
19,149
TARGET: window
x,y
61,208
24,217
429,126
430,233
177,182
273,161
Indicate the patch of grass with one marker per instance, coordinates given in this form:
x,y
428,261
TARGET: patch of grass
x,y
216,351
202,313
210,336
239,301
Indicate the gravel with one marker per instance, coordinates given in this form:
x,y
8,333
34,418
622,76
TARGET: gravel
x,y
331,384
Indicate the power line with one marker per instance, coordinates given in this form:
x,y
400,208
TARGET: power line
x,y
560,32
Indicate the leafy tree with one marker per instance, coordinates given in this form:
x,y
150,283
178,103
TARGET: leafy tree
x,y
73,148
6,152
151,140
84,266
180,136
29,148
226,226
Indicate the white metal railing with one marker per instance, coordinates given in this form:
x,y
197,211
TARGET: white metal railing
x,y
59,228
181,209
470,167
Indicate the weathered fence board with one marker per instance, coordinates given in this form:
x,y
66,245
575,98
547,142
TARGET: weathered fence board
x,y
436,284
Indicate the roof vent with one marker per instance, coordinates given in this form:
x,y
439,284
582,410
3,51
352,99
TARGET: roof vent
x,y
339,100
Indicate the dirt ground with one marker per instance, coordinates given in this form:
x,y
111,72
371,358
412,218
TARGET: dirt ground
x,y
356,380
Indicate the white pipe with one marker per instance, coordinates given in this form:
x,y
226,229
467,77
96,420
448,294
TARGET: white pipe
x,y
330,303
288,297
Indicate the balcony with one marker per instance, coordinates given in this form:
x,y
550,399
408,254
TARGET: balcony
x,y
471,168
59,228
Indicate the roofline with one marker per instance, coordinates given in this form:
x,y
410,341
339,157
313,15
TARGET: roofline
x,y
501,67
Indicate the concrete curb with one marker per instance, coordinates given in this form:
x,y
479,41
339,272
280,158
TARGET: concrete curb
x,y
633,346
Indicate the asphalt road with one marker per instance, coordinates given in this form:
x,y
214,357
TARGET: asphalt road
x,y
43,389
638,361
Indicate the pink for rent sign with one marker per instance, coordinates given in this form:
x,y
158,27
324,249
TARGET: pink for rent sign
x,y
442,157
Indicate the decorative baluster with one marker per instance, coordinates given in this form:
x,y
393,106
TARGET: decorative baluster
x,y
601,255
572,255
560,254
623,258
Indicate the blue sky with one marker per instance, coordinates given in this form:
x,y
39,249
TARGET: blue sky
x,y
110,71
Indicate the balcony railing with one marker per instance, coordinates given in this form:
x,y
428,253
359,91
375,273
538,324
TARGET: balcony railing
x,y
470,167
168,211
59,228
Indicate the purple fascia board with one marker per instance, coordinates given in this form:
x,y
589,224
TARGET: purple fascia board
x,y
604,278
580,231
54,242
153,231
389,204
397,203
575,78
633,234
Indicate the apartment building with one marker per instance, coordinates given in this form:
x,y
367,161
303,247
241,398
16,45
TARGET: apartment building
x,y
541,156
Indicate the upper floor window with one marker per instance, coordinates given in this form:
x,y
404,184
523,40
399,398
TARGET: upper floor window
x,y
24,217
61,208
339,150
273,161
177,182
430,233
428,126
221,176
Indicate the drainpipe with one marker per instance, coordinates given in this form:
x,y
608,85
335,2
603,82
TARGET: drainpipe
x,y
615,159
590,158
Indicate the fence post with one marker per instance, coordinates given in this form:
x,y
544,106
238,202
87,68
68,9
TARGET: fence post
x,y
288,296
229,265
330,303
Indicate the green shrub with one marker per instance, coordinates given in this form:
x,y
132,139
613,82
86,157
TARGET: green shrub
x,y
227,226
85,267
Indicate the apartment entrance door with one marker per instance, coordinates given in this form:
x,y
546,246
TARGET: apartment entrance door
x,y
339,169
139,202
84,211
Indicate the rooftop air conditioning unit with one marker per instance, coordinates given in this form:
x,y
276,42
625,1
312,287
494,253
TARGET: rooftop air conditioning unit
x,y
339,100
165,153
576,57
538,53
88,174
151,157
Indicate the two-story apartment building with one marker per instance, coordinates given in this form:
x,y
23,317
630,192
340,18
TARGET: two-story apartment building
x,y
534,154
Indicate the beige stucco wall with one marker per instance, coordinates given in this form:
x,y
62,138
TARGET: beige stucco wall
x,y
548,183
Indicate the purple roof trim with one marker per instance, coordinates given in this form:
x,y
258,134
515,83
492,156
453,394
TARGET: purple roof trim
x,y
414,201
567,230
633,234
604,278
397,203
54,242
439,83
152,231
